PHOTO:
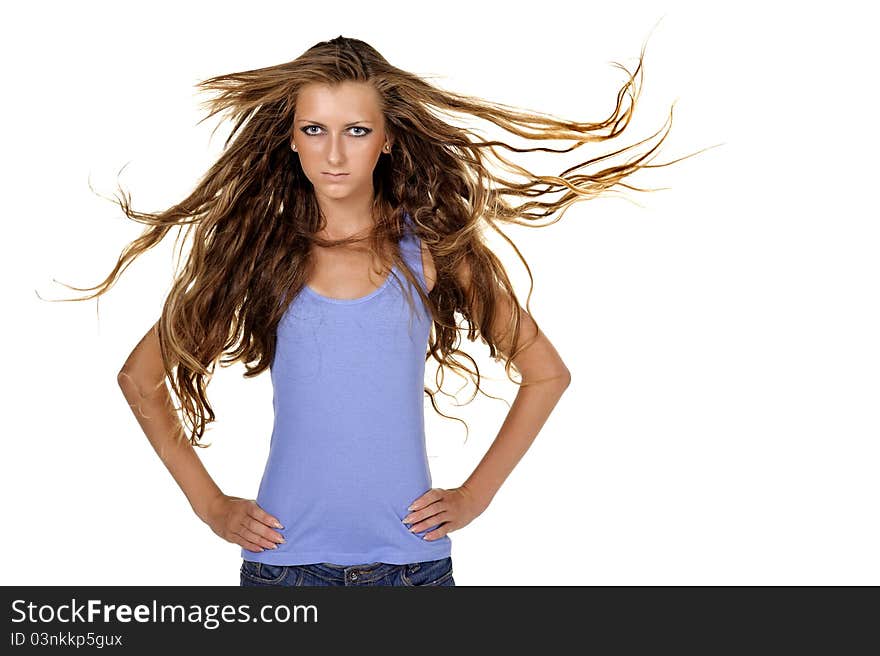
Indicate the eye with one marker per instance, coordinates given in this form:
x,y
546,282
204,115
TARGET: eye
x,y
365,132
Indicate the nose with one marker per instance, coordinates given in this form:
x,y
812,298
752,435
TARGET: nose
x,y
335,154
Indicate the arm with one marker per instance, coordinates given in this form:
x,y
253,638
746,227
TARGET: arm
x,y
538,364
142,380
241,521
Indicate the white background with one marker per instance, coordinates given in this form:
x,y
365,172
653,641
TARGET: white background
x,y
722,422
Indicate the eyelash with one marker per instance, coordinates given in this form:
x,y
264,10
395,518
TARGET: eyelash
x,y
353,127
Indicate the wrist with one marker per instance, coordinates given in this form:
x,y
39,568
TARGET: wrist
x,y
205,507
481,497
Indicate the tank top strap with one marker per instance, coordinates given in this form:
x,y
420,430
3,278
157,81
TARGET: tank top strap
x,y
411,250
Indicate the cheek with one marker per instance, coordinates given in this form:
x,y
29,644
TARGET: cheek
x,y
360,165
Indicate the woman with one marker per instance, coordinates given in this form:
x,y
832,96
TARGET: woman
x,y
337,239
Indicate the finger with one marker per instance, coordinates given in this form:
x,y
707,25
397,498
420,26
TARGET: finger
x,y
247,544
240,539
426,513
425,499
262,530
261,515
251,536
437,533
428,522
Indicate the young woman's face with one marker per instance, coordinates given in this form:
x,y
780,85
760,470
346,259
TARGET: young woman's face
x,y
339,130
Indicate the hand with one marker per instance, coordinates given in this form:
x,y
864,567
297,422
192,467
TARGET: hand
x,y
243,522
449,510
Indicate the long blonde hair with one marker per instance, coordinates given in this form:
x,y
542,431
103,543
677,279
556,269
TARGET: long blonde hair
x,y
253,216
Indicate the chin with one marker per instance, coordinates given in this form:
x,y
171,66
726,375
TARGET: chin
x,y
335,192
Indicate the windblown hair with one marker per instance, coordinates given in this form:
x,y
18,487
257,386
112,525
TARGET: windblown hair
x,y
255,215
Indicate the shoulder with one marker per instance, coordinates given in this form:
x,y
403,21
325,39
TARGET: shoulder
x,y
463,274
428,267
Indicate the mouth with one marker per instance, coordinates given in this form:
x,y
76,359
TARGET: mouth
x,y
334,175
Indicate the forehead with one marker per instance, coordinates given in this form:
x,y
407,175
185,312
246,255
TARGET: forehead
x,y
336,102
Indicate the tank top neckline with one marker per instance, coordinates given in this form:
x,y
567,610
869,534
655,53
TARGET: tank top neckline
x,y
408,237
359,299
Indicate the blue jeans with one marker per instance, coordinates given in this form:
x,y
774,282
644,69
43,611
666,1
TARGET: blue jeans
x,y
429,572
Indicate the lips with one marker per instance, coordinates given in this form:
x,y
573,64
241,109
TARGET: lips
x,y
335,175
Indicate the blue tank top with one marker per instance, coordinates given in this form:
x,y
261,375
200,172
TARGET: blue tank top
x,y
347,453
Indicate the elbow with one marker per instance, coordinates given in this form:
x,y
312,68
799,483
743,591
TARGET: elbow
x,y
125,378
122,378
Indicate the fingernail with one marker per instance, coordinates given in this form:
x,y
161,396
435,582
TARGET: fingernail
x,y
278,525
409,508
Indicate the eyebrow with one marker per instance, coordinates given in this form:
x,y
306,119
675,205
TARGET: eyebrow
x,y
305,120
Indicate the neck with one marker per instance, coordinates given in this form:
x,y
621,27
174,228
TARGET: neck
x,y
346,217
